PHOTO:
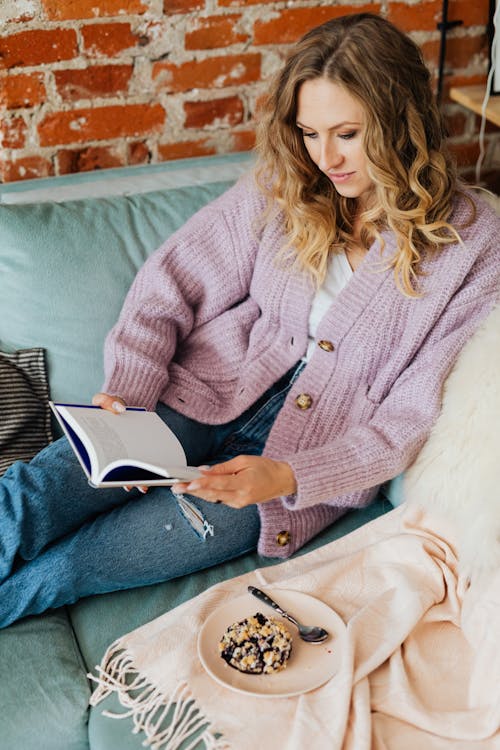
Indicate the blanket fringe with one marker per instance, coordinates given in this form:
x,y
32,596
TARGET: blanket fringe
x,y
166,722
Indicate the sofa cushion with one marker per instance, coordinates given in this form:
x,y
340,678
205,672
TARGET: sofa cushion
x,y
71,264
44,697
25,421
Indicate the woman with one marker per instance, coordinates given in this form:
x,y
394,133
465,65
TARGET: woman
x,y
295,334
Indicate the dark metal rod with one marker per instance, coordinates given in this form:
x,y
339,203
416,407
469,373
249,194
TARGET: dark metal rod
x,y
442,50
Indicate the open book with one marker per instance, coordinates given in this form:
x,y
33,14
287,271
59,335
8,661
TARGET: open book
x,y
133,448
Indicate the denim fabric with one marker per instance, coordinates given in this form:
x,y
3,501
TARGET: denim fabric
x,y
61,540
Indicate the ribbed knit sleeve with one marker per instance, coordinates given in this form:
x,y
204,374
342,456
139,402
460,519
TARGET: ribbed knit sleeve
x,y
202,270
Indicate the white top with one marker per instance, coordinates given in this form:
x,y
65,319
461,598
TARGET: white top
x,y
337,275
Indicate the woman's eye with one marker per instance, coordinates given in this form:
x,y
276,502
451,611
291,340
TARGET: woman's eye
x,y
348,136
308,135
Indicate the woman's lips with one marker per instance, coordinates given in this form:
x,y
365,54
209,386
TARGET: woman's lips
x,y
340,176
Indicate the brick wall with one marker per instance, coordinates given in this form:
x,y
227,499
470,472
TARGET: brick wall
x,y
89,84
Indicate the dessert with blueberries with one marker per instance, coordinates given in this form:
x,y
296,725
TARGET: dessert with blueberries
x,y
256,645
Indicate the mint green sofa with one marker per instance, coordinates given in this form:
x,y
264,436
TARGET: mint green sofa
x,y
69,249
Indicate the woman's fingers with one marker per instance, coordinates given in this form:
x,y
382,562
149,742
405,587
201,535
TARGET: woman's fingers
x,y
109,402
242,481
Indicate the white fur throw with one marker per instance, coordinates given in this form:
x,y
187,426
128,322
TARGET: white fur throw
x,y
457,473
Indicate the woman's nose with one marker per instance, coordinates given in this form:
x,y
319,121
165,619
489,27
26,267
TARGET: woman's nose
x,y
330,157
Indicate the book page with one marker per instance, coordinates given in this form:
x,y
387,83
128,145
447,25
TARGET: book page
x,y
136,437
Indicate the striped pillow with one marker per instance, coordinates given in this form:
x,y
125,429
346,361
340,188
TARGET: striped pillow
x,y
25,425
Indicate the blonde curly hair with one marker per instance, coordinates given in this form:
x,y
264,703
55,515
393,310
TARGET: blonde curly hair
x,y
414,177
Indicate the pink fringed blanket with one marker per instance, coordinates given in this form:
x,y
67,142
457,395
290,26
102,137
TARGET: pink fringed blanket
x,y
420,666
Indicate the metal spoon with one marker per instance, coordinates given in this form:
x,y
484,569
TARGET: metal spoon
x,y
309,633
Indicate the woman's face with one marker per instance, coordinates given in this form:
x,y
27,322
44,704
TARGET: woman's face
x,y
332,122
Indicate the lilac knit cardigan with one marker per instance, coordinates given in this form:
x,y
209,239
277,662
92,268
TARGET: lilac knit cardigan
x,y
212,320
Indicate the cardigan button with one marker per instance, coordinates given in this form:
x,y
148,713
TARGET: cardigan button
x,y
283,538
327,346
304,401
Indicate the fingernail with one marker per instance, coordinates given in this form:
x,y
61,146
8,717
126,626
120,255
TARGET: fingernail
x,y
204,468
143,490
118,407
193,486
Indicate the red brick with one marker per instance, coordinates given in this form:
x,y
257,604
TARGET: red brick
x,y
213,72
108,39
97,80
466,154
25,168
182,6
421,16
459,51
472,14
23,90
215,112
37,47
101,123
461,80
430,51
213,32
292,23
489,127
138,153
65,10
242,3
88,159
456,123
13,132
185,149
243,140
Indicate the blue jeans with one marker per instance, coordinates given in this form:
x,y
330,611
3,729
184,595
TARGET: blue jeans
x,y
61,540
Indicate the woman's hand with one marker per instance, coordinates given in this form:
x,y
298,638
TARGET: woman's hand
x,y
110,403
242,481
